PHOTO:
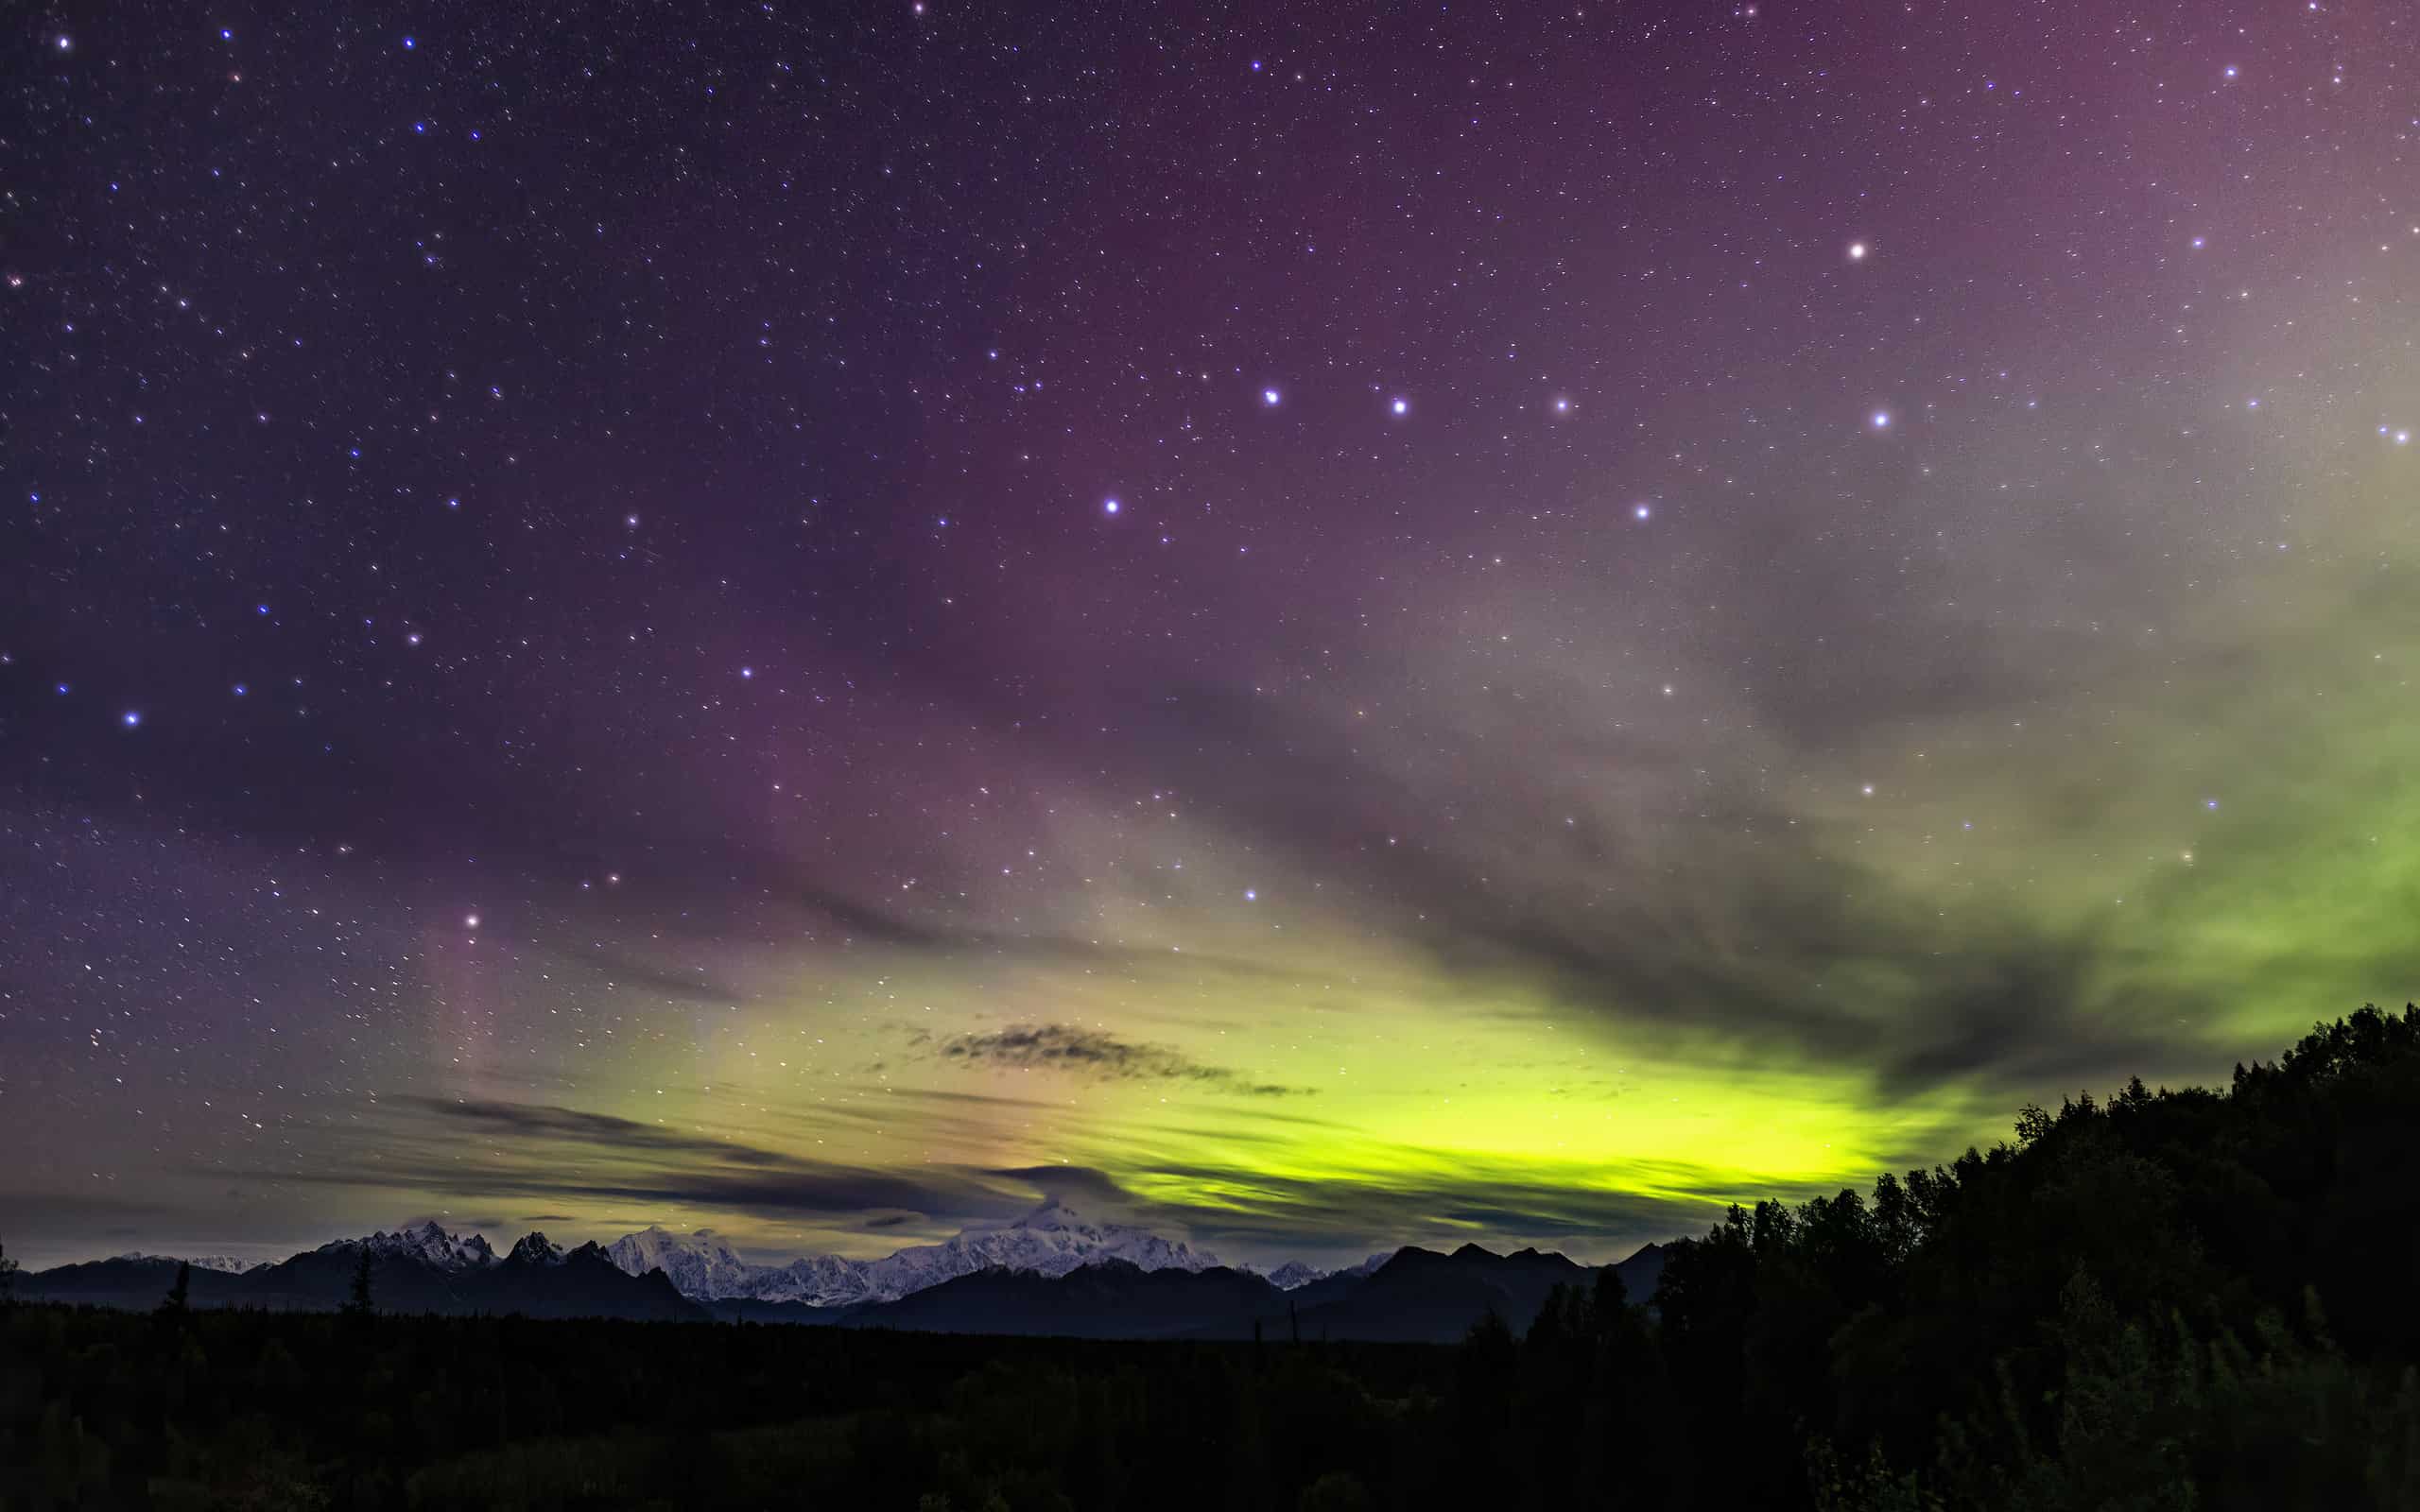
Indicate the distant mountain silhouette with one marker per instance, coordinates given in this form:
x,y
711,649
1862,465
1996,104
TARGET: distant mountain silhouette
x,y
1416,1297
1108,1299
1421,1296
536,1280
1149,1289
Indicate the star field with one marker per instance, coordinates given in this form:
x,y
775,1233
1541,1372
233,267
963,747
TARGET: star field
x,y
1331,626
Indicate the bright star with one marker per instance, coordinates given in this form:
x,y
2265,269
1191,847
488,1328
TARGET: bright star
x,y
470,921
1563,406
1269,396
1108,506
1869,790
64,44
1249,895
1857,252
1640,511
241,690
747,672
1881,420
1401,407
130,718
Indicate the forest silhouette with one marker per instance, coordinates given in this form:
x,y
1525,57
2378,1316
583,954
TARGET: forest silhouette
x,y
2163,1300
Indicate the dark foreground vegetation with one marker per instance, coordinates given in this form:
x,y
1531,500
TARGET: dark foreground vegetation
x,y
2189,1299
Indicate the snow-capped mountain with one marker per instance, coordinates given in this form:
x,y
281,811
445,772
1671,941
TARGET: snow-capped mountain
x,y
428,1244
1052,1240
534,1249
818,1280
1295,1274
225,1264
700,1262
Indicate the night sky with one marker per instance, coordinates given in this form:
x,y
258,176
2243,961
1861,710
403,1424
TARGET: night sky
x,y
1318,629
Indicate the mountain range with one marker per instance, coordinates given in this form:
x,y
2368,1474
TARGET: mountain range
x,y
1414,1297
1054,1271
1050,1241
412,1270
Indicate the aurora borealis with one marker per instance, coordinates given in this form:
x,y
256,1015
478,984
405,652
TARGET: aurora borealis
x,y
1327,627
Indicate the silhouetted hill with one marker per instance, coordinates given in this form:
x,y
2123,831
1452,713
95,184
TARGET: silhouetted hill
x,y
1423,1297
1642,1273
1417,1297
1112,1300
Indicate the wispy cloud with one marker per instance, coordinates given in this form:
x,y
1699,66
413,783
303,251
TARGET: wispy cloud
x,y
1099,1054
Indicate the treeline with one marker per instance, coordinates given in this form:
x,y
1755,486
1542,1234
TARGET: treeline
x,y
2168,1299
2163,1301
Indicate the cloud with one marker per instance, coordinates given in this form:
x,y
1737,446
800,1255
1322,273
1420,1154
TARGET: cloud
x,y
1076,1185
542,1121
1099,1053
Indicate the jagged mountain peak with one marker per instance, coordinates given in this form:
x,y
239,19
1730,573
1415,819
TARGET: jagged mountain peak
x,y
533,1249
428,1243
1055,1212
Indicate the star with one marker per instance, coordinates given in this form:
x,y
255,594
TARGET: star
x,y
1109,507
1269,396
1881,420
130,718
1857,252
1401,407
470,921
1640,511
